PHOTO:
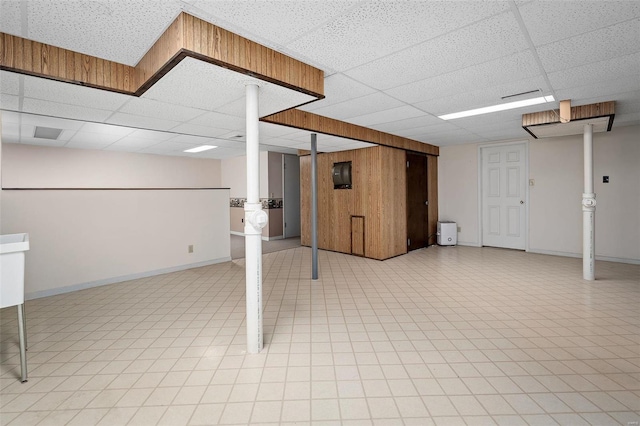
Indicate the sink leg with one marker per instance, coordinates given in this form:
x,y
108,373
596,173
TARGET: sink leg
x,y
23,344
24,322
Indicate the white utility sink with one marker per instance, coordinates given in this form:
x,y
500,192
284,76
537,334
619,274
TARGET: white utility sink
x,y
12,248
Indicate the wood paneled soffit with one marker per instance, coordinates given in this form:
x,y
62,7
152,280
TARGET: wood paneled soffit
x,y
186,36
316,123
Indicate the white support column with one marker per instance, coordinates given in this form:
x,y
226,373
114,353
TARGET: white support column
x,y
254,220
588,209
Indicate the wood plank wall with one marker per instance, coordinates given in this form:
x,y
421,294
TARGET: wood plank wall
x,y
316,123
378,194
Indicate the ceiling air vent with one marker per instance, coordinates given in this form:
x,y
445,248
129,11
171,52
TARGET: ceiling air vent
x,y
47,133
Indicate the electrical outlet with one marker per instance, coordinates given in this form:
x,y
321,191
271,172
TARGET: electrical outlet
x,y
459,228
190,249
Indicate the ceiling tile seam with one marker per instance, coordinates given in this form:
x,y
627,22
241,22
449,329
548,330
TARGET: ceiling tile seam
x,y
635,18
532,47
427,40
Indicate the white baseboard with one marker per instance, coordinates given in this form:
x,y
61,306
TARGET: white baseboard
x,y
239,234
468,244
579,255
122,278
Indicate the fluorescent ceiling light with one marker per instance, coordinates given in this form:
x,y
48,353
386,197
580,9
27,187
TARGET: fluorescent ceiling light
x,y
200,148
499,107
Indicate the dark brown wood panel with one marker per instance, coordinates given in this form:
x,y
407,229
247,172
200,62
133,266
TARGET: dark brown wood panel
x,y
432,184
417,198
316,123
357,236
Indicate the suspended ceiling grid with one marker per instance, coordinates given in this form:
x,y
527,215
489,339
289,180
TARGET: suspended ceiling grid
x,y
392,66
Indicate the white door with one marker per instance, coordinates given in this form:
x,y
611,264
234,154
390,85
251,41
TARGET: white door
x,y
291,199
504,196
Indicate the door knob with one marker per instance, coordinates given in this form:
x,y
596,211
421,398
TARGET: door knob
x,y
521,202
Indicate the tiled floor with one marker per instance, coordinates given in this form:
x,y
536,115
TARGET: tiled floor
x,y
442,336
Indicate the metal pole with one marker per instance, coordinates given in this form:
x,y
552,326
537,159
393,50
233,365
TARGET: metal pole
x,y
588,209
314,207
22,335
254,220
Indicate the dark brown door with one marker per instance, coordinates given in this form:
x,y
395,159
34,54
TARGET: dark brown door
x,y
417,225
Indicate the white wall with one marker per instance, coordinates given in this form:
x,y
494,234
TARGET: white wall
x,y
458,190
555,215
234,175
29,166
85,237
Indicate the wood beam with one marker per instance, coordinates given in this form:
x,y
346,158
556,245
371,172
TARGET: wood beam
x,y
187,36
600,109
316,123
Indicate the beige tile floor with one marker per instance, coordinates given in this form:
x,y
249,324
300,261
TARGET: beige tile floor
x,y
443,335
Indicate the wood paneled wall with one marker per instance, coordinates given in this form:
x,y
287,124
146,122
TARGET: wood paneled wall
x,y
378,194
316,123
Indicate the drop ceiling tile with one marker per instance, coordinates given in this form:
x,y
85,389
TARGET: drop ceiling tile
x,y
9,83
10,117
550,21
11,17
359,106
485,96
219,121
410,123
198,140
263,21
82,137
72,94
194,129
9,102
484,41
501,71
607,89
274,130
107,129
630,119
386,116
150,135
597,72
339,88
54,109
377,29
131,144
45,121
599,45
41,142
117,30
139,121
156,109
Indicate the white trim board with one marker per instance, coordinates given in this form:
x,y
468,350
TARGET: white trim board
x,y
123,278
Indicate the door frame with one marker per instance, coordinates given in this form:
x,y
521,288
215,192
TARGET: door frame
x,y
524,142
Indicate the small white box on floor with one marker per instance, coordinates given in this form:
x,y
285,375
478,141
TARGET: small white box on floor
x,y
447,233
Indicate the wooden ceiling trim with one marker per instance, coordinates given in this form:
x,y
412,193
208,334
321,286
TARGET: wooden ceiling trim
x,y
600,109
316,123
24,56
186,36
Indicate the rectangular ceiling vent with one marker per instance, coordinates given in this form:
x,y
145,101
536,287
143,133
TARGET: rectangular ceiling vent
x,y
47,133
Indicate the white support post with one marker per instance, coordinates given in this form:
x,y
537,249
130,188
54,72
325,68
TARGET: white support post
x,y
588,209
254,220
